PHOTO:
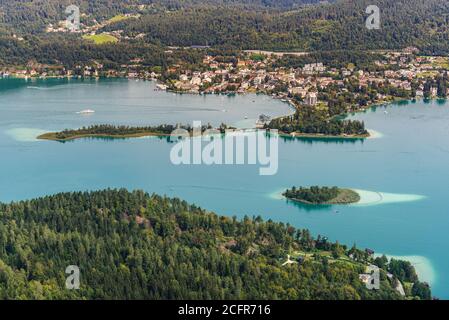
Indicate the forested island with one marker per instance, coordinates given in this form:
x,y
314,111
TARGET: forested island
x,y
132,245
322,195
308,121
120,132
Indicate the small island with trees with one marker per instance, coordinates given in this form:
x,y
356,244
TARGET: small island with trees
x,y
322,195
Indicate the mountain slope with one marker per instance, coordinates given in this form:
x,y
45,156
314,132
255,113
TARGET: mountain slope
x,y
129,245
339,25
323,27
32,15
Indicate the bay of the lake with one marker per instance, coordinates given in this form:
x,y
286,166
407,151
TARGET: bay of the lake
x,y
403,171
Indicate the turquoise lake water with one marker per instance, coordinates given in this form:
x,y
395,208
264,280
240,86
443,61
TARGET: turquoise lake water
x,y
407,167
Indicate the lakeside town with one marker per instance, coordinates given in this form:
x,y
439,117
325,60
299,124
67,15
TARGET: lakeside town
x,y
399,75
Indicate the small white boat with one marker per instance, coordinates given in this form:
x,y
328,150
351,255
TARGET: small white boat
x,y
161,87
246,117
87,111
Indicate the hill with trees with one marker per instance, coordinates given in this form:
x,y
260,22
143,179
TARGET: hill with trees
x,y
320,27
132,245
301,25
32,16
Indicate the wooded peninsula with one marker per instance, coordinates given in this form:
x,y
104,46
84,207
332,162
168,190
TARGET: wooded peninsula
x,y
121,132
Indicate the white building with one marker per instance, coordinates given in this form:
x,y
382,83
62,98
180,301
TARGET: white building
x,y
311,99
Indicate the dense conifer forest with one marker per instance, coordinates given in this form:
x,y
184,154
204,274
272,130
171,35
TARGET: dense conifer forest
x,y
132,245
285,25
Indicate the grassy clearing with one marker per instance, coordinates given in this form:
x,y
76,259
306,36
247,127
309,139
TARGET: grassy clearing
x,y
441,63
101,38
309,256
346,196
427,74
118,18
322,26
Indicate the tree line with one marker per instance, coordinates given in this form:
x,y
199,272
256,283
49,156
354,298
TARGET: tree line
x,y
309,120
314,194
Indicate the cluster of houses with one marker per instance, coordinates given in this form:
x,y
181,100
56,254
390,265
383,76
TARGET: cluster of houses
x,y
247,75
35,70
371,277
372,281
94,28
93,70
402,70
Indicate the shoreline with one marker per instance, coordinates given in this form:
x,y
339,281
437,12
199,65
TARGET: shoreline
x,y
323,136
51,136
423,266
367,198
231,93
370,198
371,134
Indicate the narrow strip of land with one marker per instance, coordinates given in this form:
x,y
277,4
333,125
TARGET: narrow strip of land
x,y
121,132
55,136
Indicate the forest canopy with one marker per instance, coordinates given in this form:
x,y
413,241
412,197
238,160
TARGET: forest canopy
x,y
287,25
132,245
